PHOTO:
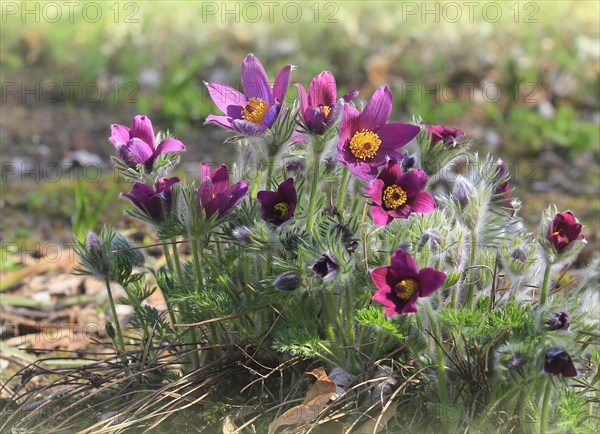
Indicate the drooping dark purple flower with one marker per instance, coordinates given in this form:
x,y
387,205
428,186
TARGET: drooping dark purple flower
x,y
397,195
445,134
563,230
215,195
156,203
401,283
366,140
558,321
278,207
320,107
254,111
138,145
558,362
325,266
501,192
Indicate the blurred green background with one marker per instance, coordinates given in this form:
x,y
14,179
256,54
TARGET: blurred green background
x,y
521,78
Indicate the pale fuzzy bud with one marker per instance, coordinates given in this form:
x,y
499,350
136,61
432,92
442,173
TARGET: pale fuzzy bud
x,y
288,281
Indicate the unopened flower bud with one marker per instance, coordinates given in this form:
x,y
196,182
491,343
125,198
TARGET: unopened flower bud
x,y
558,321
243,234
519,255
120,244
432,238
295,166
92,242
288,281
462,191
408,163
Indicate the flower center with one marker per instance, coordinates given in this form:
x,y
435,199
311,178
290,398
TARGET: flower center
x,y
364,144
561,234
255,110
326,110
281,210
393,197
406,288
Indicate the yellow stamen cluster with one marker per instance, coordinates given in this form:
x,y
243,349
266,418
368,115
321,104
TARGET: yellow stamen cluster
x,y
281,210
255,110
364,144
406,288
564,237
326,109
393,197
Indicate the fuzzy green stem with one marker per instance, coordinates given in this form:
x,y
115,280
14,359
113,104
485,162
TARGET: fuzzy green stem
x,y
313,191
343,187
177,262
471,286
350,314
545,402
328,326
270,166
545,283
439,355
167,256
196,257
114,313
167,302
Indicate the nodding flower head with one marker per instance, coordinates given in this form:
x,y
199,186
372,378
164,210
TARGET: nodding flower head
x,y
325,267
558,321
443,133
155,203
558,362
278,207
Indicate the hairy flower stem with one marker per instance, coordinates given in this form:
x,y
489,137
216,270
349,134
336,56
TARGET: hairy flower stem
x,y
310,218
183,307
470,285
439,354
545,402
167,302
545,283
114,313
350,314
343,187
270,166
328,326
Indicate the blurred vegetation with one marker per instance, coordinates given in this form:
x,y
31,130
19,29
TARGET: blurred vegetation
x,y
525,87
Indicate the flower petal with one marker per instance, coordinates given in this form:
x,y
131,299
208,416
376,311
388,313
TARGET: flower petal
x,y
413,182
397,134
403,265
380,216
391,174
267,201
423,203
377,111
254,79
375,190
119,134
322,90
135,152
280,86
350,95
303,98
349,125
220,180
287,190
271,115
142,129
222,121
169,145
380,278
430,280
248,128
229,100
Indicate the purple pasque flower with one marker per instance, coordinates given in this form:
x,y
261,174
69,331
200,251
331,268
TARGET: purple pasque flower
x,y
137,145
365,138
396,194
325,267
320,108
278,207
215,195
401,283
558,362
444,134
254,111
558,321
501,192
154,202
563,230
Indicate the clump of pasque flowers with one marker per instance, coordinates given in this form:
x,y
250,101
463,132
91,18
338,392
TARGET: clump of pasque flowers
x,y
341,244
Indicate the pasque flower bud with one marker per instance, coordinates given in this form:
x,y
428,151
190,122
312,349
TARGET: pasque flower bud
x,y
288,281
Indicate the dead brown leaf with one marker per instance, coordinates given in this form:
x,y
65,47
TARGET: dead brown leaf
x,y
315,401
